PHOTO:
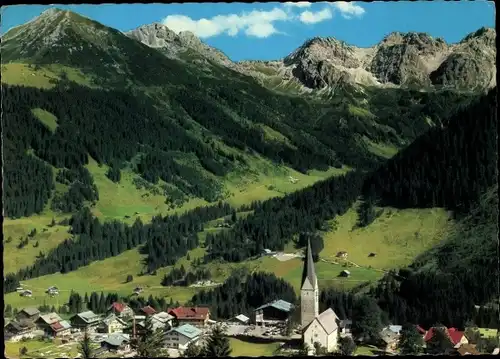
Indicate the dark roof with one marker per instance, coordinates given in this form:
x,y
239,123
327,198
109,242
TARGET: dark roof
x,y
148,310
31,311
308,271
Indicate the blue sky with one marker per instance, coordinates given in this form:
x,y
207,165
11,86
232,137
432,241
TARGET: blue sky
x,y
265,31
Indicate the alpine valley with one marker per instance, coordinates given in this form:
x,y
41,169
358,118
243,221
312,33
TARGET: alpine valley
x,y
150,160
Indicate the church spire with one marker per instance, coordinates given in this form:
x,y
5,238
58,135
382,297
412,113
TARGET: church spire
x,y
309,279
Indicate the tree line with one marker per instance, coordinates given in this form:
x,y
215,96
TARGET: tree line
x,y
275,221
166,239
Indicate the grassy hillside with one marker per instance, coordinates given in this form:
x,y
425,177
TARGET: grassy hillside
x,y
397,237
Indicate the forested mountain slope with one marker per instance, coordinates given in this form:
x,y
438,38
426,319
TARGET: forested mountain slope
x,y
184,126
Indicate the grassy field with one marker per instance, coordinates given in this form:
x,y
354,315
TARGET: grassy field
x,y
391,236
47,118
488,333
242,348
41,348
44,77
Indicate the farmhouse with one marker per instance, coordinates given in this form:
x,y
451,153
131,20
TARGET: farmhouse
x,y
86,321
240,319
147,310
181,337
121,310
60,329
116,341
454,335
44,322
28,314
197,316
389,339
112,324
17,330
323,330
345,273
277,311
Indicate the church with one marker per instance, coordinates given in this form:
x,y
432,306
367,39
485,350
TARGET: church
x,y
316,328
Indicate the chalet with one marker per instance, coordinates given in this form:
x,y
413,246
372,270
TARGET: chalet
x,y
277,311
344,326
323,330
121,310
180,337
197,316
60,329
26,293
467,349
389,338
345,273
161,320
116,342
341,254
45,321
17,330
86,321
454,335
240,319
147,310
28,314
112,324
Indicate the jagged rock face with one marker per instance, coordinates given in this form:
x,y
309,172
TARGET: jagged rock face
x,y
175,45
471,65
401,59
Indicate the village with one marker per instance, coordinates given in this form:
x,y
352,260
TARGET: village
x,y
183,326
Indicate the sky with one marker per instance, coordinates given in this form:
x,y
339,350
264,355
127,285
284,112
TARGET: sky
x,y
268,31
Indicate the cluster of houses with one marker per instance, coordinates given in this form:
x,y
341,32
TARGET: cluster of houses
x,y
183,325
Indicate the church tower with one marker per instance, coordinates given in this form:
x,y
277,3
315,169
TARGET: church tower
x,y
309,292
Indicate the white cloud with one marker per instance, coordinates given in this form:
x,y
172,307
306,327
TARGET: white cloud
x,y
255,23
309,17
298,4
348,9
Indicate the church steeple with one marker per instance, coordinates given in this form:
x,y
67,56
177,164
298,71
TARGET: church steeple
x,y
309,279
309,292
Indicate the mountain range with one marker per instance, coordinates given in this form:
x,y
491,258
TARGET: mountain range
x,y
108,136
400,59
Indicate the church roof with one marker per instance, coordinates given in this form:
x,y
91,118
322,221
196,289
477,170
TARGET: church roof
x,y
327,320
309,279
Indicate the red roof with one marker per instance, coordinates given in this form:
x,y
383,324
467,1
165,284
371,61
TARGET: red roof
x,y
149,310
454,335
118,307
189,312
56,326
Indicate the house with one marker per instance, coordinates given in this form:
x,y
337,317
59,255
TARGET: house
x,y
116,342
389,338
467,349
161,320
45,321
197,316
180,337
341,254
395,329
454,335
26,293
112,324
241,319
344,326
19,329
121,310
345,273
86,321
496,351
372,254
323,330
267,252
60,329
277,311
28,314
148,310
